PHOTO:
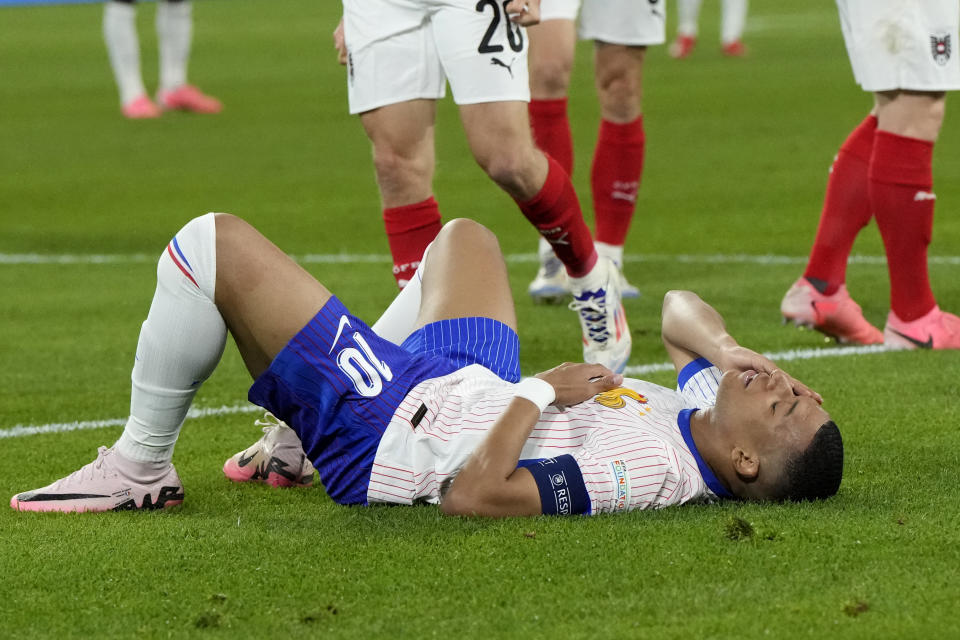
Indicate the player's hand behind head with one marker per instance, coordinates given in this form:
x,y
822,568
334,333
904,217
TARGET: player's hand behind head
x,y
576,382
524,12
737,358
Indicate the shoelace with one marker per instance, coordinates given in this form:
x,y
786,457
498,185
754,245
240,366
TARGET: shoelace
x,y
269,422
89,471
594,323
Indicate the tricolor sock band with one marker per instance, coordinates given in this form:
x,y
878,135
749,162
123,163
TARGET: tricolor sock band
x,y
180,343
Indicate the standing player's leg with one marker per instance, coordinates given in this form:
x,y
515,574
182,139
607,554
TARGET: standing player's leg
x,y
394,77
900,184
123,48
688,15
732,22
174,36
216,274
552,46
402,135
820,299
618,157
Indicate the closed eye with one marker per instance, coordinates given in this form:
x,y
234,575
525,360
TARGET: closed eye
x,y
773,408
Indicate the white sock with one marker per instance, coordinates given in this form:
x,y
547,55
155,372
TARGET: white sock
x,y
595,279
398,321
688,14
174,33
612,251
123,47
733,20
180,344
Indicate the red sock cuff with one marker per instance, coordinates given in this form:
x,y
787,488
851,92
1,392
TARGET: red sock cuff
x,y
860,141
901,160
411,217
547,108
627,133
540,205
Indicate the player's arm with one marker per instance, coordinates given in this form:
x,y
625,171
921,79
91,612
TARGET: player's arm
x,y
490,483
692,329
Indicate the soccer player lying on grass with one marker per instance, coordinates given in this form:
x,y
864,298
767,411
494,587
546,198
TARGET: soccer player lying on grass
x,y
443,418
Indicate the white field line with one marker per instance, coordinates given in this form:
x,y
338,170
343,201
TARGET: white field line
x,y
21,430
374,258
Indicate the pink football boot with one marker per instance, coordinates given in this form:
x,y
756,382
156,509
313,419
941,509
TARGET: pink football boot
x,y
188,98
277,458
936,330
836,315
141,108
102,485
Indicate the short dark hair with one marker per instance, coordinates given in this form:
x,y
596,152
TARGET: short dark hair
x,y
815,472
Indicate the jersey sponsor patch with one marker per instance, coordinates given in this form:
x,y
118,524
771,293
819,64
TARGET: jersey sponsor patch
x,y
621,481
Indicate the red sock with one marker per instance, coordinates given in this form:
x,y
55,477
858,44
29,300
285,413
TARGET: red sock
x,y
615,178
410,229
846,209
901,183
556,214
551,130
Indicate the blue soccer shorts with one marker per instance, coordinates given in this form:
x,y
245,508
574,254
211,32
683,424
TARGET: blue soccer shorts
x,y
337,384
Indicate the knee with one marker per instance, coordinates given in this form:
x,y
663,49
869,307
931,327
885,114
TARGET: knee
x,y
396,167
469,235
550,79
508,166
619,96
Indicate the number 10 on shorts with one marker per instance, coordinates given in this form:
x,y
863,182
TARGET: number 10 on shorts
x,y
364,368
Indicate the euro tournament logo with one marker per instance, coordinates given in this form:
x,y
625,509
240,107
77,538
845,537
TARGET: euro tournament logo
x,y
940,48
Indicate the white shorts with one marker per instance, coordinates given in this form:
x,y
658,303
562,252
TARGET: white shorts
x,y
400,50
627,22
902,44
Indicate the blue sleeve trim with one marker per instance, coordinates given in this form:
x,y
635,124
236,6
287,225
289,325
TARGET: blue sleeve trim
x,y
562,491
692,369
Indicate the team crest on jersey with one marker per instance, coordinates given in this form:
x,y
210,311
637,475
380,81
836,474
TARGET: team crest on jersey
x,y
940,48
615,398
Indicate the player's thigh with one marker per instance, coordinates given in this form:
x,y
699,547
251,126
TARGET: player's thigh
x,y
552,47
264,296
484,55
902,45
497,128
465,276
628,22
391,56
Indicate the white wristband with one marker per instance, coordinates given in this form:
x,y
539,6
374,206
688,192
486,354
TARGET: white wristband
x,y
539,392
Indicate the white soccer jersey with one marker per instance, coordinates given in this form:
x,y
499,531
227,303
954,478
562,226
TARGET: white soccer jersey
x,y
629,442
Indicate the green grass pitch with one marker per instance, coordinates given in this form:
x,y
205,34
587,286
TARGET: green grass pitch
x,y
737,160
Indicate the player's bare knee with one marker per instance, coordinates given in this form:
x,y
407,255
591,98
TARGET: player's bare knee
x,y
468,233
550,79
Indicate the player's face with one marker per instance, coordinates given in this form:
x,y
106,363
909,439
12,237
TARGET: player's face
x,y
763,411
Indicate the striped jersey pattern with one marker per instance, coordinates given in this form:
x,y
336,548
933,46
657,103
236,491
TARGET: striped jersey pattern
x,y
627,441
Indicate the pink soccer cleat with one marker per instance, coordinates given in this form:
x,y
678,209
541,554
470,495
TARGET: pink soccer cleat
x,y
735,49
836,315
141,108
188,98
103,486
277,458
682,47
936,330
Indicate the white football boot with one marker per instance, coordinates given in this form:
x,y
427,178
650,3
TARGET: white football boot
x,y
596,299
277,458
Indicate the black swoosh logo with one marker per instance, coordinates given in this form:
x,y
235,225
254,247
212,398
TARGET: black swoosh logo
x,y
920,345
